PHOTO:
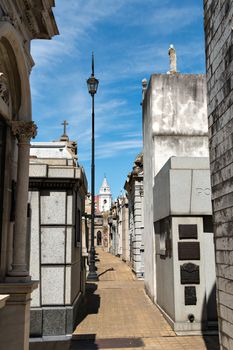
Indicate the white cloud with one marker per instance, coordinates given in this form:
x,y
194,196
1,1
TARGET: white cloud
x,y
111,149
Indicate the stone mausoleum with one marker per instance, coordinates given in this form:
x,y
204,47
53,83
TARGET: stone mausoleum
x,y
21,21
175,124
185,261
135,195
57,190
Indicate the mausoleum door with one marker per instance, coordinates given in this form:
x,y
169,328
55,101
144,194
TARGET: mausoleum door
x,y
2,168
99,238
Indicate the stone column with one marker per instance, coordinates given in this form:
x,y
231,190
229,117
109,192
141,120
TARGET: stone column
x,y
23,131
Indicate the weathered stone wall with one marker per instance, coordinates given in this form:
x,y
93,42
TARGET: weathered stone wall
x,y
219,61
174,124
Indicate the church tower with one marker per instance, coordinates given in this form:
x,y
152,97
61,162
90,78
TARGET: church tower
x,y
105,196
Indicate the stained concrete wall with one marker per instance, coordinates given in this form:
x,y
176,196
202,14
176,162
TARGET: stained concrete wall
x,y
219,62
174,124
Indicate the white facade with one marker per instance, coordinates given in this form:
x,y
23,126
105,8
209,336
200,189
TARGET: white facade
x,y
105,196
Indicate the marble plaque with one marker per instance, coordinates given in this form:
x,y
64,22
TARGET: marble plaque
x,y
52,285
189,274
53,245
187,231
52,206
188,250
190,297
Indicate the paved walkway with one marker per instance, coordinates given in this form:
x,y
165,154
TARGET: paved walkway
x,y
117,314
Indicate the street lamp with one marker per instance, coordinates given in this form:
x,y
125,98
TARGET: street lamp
x,y
92,85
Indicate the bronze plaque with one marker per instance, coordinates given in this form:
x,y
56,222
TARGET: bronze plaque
x,y
189,274
188,231
190,297
208,223
189,250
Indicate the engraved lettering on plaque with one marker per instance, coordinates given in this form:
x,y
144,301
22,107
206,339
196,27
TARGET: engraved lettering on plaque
x,y
188,250
189,274
190,297
188,231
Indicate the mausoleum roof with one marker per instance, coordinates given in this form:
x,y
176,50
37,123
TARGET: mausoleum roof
x,y
53,150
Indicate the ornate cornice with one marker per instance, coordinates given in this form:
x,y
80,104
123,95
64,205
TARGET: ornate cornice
x,y
23,130
40,19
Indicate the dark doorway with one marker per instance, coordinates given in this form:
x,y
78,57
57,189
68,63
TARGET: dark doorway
x,y
99,238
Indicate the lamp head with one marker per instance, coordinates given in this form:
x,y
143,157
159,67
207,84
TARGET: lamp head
x,y
92,85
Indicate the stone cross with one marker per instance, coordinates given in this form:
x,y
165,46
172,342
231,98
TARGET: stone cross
x,y
172,54
65,123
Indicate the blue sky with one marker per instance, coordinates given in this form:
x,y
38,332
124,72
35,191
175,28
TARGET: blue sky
x,y
130,39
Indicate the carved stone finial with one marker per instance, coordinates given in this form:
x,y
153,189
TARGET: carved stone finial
x,y
24,131
72,146
172,55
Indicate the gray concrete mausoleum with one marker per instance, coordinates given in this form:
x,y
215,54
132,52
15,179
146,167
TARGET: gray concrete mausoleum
x,y
57,189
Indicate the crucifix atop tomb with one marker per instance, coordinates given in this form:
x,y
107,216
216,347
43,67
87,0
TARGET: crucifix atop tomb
x,y
64,137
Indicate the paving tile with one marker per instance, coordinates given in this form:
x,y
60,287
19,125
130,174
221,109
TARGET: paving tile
x,y
117,309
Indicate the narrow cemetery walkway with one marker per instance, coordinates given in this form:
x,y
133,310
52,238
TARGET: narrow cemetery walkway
x,y
117,314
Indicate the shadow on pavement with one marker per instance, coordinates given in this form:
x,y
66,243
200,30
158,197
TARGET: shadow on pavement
x,y
81,344
90,305
108,343
102,273
50,345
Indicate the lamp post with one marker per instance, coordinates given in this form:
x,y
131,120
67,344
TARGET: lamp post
x,y
92,84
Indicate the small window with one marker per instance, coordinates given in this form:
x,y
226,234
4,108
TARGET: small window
x,y
105,201
104,189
